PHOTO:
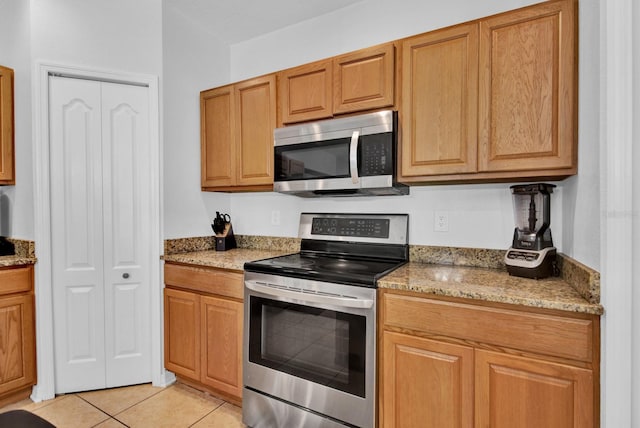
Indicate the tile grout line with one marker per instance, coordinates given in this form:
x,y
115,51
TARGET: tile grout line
x,y
109,416
123,410
217,407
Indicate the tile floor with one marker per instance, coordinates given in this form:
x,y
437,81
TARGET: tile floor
x,y
136,406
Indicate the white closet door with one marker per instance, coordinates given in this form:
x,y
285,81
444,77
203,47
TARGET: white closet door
x,y
99,164
126,174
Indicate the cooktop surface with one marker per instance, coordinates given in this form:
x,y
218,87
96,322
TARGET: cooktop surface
x,y
343,270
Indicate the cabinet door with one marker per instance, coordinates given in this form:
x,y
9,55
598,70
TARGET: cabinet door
x,y
222,344
255,120
17,343
217,157
306,92
7,161
439,102
527,81
514,391
182,333
364,80
425,383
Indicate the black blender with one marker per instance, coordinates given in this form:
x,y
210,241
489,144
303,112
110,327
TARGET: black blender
x,y
532,254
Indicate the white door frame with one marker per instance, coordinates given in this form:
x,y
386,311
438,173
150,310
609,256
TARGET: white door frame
x,y
45,388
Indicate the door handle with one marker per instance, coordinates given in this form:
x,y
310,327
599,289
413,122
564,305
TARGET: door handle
x,y
353,157
308,298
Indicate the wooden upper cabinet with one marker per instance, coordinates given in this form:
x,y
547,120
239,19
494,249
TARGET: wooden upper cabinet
x,y
237,123
217,158
306,92
7,161
493,99
439,102
364,80
527,101
357,81
255,111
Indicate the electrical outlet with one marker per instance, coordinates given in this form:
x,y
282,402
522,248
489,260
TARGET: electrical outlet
x,y
441,221
275,218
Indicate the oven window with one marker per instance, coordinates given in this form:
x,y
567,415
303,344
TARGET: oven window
x,y
319,345
311,161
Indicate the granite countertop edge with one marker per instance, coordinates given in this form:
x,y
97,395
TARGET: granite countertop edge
x,y
459,273
25,254
487,285
10,261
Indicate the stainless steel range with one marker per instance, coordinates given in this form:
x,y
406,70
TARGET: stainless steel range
x,y
310,323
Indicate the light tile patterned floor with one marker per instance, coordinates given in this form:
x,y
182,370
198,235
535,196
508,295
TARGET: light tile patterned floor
x,y
136,406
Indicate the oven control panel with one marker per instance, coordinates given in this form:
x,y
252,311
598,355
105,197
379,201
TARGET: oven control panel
x,y
355,227
360,227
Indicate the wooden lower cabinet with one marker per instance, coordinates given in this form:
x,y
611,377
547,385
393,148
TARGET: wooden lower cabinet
x,y
426,383
221,352
203,317
17,334
449,363
182,332
514,391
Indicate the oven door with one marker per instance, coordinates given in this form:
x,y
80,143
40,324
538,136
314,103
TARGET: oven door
x,y
311,344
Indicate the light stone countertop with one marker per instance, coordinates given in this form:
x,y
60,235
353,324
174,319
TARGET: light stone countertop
x,y
434,270
25,254
9,261
231,259
491,285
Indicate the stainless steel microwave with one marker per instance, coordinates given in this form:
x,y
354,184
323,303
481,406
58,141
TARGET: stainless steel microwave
x,y
349,156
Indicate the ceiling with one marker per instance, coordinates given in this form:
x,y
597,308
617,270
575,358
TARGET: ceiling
x,y
238,20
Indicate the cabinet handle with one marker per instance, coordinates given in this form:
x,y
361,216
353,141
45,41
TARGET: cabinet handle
x,y
125,275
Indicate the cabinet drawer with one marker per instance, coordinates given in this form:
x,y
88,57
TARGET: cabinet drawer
x,y
206,280
16,280
553,335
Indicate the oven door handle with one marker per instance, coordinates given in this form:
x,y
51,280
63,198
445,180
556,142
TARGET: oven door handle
x,y
334,300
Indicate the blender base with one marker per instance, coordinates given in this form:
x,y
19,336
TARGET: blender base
x,y
531,264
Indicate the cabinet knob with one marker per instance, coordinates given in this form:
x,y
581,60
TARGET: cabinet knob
x,y
125,275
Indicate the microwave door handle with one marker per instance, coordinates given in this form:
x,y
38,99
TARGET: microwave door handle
x,y
353,157
309,298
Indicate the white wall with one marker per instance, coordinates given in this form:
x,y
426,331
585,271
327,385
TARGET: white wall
x,y
479,215
581,202
118,35
15,52
360,25
193,60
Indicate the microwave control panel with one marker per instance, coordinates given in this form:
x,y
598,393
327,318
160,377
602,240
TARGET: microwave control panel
x,y
376,156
